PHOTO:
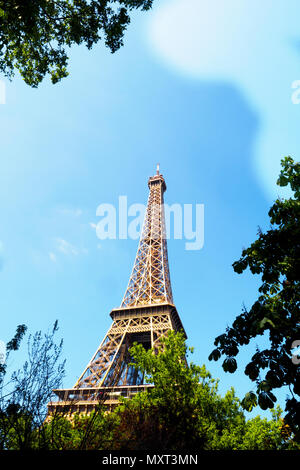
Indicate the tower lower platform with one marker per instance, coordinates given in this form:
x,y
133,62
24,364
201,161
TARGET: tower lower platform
x,y
110,373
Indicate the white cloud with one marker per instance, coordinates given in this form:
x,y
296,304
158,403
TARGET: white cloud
x,y
70,212
2,92
1,255
251,44
65,247
52,257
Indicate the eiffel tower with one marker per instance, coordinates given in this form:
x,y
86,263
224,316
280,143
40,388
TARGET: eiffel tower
x,y
146,314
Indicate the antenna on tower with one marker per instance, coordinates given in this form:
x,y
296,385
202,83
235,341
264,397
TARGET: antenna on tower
x,y
157,169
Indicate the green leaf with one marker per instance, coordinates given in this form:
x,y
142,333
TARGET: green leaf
x,y
249,401
266,400
214,355
264,321
230,365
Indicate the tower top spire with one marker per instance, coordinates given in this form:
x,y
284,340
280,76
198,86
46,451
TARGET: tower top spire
x,y
150,279
157,179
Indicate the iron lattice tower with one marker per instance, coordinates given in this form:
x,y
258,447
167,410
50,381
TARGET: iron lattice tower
x,y
146,314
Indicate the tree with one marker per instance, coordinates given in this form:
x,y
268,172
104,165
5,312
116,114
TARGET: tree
x,y
83,432
24,397
12,345
275,255
183,411
36,34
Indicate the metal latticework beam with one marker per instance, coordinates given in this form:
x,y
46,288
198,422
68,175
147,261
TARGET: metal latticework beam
x,y
149,282
112,359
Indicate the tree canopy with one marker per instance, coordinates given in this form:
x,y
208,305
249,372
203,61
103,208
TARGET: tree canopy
x,y
35,35
25,393
275,256
183,410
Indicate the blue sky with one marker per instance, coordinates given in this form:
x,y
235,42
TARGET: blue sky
x,y
204,89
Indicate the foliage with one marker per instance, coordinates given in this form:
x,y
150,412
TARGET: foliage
x,y
81,432
36,34
275,255
24,398
184,409
12,345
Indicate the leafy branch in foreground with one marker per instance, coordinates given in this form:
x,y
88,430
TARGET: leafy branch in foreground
x,y
12,345
24,398
275,255
35,35
185,411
